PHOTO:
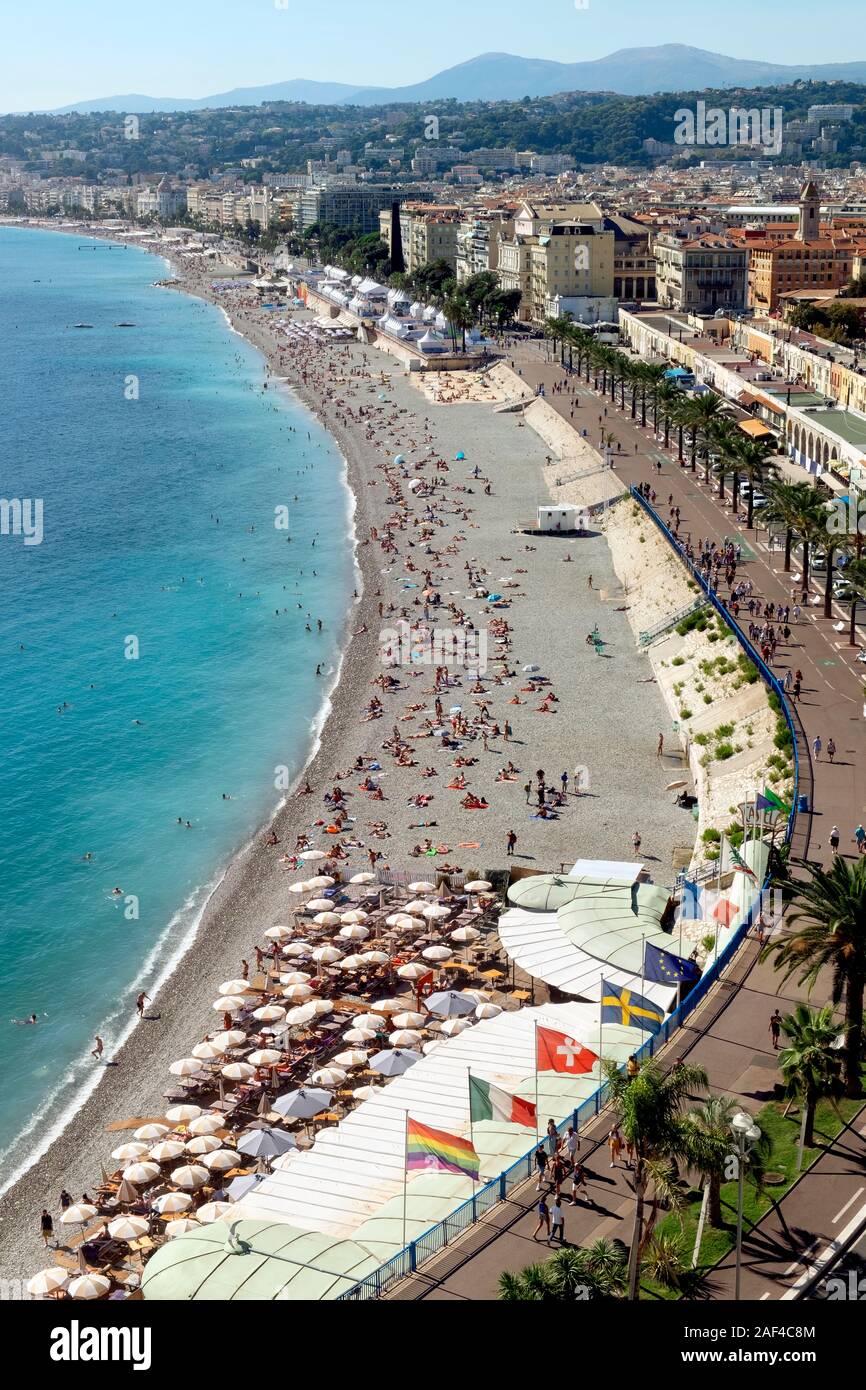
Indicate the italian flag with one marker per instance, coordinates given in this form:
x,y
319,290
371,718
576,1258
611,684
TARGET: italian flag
x,y
489,1102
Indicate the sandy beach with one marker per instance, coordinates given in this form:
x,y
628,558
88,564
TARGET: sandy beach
x,y
429,555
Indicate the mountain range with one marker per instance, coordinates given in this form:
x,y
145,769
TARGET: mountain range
x,y
504,77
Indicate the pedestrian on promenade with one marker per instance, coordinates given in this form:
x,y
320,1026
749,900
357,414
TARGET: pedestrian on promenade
x,y
775,1027
552,1138
558,1226
831,749
816,747
834,839
571,1145
614,1143
543,1213
540,1165
46,1226
860,837
578,1184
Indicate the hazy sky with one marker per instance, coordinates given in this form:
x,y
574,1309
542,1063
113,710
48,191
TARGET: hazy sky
x,y
53,52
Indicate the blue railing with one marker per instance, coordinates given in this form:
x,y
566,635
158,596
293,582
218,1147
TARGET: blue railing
x,y
422,1249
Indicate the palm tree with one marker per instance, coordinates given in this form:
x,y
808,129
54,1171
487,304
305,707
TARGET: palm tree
x,y
724,438
588,1274
855,577
650,1111
785,503
668,400
654,383
809,1065
711,1148
810,526
706,413
829,909
754,464
460,315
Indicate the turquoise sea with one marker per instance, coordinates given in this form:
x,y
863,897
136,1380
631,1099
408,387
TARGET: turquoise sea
x,y
147,665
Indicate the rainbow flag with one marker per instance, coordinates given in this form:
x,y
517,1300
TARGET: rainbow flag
x,y
434,1149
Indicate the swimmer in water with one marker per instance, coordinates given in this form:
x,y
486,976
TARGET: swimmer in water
x,y
24,1022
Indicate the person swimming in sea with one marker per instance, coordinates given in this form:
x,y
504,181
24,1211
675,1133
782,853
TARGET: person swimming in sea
x,y
24,1022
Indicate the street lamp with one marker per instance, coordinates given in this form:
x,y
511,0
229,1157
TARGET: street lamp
x,y
747,1134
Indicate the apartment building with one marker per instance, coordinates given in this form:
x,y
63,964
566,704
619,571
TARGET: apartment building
x,y
815,257
478,242
355,205
560,257
700,275
428,231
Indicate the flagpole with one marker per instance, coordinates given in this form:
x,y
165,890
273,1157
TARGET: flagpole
x,y
405,1171
535,1035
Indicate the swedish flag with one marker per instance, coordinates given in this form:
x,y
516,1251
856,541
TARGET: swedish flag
x,y
619,1004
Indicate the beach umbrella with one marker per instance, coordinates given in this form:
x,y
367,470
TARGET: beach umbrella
x,y
352,963
187,1066
452,1026
128,1153
48,1281
265,1057
190,1177
415,908
415,970
372,1021
318,905
326,919
234,1037
182,1114
128,1227
273,1013
327,955
394,1063
296,977
478,885
206,1052
297,993
460,457
166,1150
207,1124
142,1172
436,912
437,953
487,1011
410,1020
179,1227
367,1092
89,1286
354,932
401,920
236,987
388,1006
309,855
422,887
404,1037
238,1071
465,934
214,1211
359,1035
240,1186
528,670
375,957
328,1076
355,914
228,1004
266,1143
302,1104
450,1004
172,1202
221,1160
203,1144
278,933
79,1213
362,878
304,886
353,1057
323,881
127,1193
298,948
303,1014
150,1133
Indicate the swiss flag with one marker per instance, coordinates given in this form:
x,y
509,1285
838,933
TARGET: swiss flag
x,y
558,1052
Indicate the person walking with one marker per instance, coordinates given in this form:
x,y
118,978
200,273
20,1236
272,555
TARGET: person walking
x,y
571,1145
660,751
614,1144
860,837
831,749
99,1047
140,1003
578,1185
834,839
636,842
540,1166
65,1200
46,1226
557,1231
511,841
775,1028
552,1138
543,1214
527,787
816,747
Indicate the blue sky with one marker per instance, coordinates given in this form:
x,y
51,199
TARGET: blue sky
x,y
58,51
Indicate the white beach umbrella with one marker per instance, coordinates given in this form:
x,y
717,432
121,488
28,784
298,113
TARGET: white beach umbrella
x,y
323,881
187,1066
128,1227
415,908
142,1172
165,1150
207,1124
353,1057
214,1211
299,1017
437,953
359,1035
401,921
221,1160
228,1004
328,1076
190,1177
362,878
326,919
404,1037
207,1052
478,885
182,1114
368,1092
171,1202
278,932
422,887
127,1193
272,1013
304,886
48,1281
265,1057
410,1019
318,905
327,955
452,1026
233,1037
297,949
148,1134
179,1227
236,987
310,855
296,977
436,912
373,1021
487,1010
89,1286
203,1144
350,963
79,1213
354,915
238,1071
388,1006
128,1153
297,993
375,957
355,932
465,934
415,970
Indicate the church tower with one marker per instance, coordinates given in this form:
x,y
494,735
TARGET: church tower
x,y
810,212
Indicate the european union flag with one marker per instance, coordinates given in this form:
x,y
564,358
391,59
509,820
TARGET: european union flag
x,y
691,907
667,969
619,1004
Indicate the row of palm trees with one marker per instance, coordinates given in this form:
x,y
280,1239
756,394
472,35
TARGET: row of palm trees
x,y
707,432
